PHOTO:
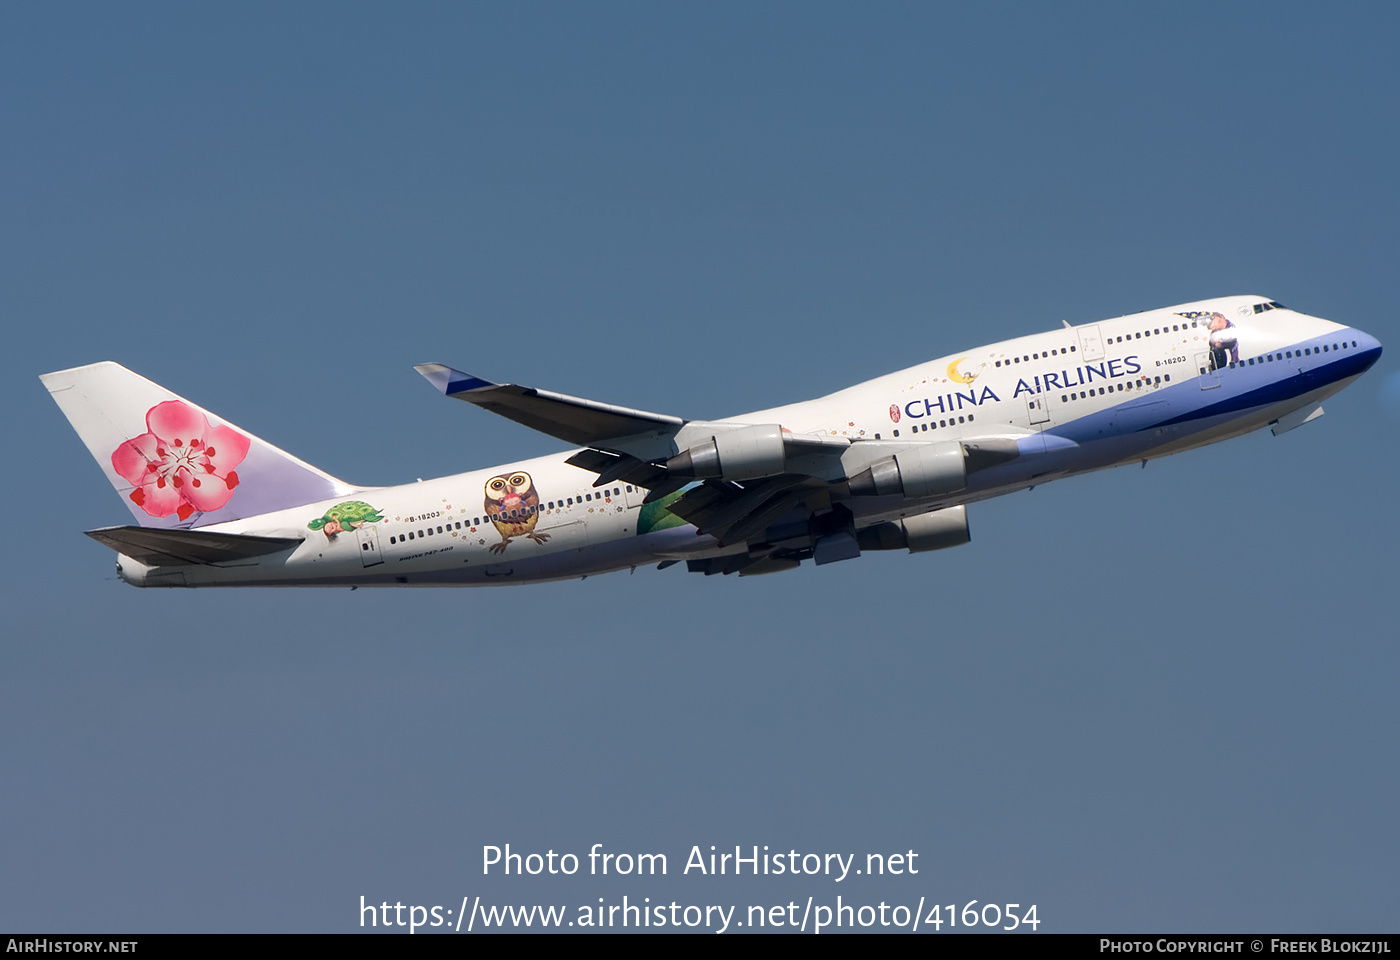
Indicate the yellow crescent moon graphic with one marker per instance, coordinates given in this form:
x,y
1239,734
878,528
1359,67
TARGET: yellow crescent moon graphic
x,y
954,375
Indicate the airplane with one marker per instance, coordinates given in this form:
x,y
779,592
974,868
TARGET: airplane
x,y
889,464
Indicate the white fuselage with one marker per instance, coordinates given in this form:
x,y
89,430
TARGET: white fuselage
x,y
1071,400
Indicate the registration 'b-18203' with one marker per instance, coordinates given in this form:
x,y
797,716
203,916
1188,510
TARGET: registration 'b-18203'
x,y
887,464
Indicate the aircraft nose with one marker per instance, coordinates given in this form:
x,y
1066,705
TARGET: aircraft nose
x,y
1368,347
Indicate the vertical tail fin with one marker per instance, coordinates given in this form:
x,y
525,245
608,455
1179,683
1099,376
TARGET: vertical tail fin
x,y
174,463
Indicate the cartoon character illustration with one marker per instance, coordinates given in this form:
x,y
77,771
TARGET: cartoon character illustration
x,y
350,515
1222,338
514,507
1224,341
957,377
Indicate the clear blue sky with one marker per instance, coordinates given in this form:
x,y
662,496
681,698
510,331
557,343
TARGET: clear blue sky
x,y
1144,700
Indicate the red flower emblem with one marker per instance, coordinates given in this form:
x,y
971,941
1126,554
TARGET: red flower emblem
x,y
180,464
894,412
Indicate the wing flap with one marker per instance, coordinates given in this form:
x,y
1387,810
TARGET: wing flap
x,y
155,547
732,513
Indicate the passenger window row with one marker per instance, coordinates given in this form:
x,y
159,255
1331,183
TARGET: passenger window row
x,y
1288,355
1037,356
1154,332
424,533
585,498
925,427
510,514
1119,388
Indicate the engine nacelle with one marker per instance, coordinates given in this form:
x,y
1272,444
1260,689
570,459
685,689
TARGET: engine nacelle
x,y
930,531
928,470
937,530
744,453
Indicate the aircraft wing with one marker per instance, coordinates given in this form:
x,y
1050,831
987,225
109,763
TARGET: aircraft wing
x,y
571,419
156,547
618,448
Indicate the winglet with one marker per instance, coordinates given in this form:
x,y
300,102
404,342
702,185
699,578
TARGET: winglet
x,y
451,381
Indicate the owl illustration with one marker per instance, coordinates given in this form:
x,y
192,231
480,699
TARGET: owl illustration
x,y
514,507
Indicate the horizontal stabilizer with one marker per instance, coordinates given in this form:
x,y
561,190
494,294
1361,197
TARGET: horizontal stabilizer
x,y
571,419
155,547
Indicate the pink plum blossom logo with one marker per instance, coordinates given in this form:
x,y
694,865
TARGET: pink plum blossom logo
x,y
180,464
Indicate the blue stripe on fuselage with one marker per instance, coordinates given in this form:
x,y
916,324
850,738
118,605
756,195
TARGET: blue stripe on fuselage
x,y
1354,363
1241,388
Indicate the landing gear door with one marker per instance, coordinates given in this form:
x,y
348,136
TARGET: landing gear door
x,y
368,537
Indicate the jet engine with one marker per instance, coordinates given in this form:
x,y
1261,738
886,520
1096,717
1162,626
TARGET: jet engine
x,y
929,531
928,470
743,453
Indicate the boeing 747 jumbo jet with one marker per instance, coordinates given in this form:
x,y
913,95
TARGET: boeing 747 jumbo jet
x,y
888,464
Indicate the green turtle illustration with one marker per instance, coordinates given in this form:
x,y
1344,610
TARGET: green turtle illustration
x,y
345,516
